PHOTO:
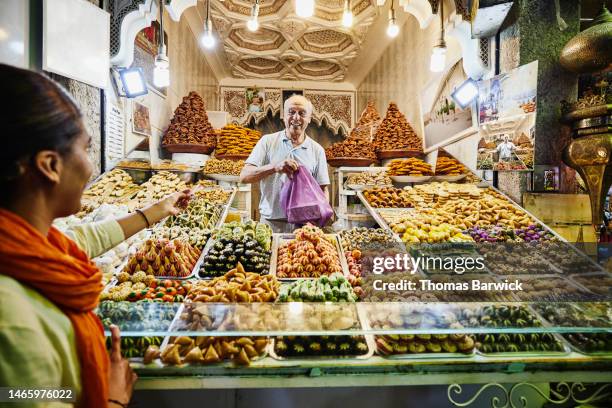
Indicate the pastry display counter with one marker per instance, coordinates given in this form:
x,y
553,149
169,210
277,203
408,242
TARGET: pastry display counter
x,y
308,309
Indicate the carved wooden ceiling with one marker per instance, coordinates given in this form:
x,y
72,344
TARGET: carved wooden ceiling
x,y
290,47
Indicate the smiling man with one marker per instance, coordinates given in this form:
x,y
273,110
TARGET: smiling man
x,y
277,155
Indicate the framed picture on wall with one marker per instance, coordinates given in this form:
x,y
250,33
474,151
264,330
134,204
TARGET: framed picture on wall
x,y
545,178
443,120
286,94
141,123
255,98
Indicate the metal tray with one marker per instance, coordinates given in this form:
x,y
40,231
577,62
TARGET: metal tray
x,y
426,355
224,363
375,214
369,340
527,354
360,187
223,177
226,208
191,274
211,241
409,356
450,178
580,285
277,239
572,346
411,179
540,278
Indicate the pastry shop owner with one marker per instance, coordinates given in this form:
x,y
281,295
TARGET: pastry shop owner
x,y
49,287
277,155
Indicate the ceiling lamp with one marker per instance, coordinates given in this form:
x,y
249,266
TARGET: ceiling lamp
x,y
161,72
208,39
438,54
253,24
304,8
347,15
393,28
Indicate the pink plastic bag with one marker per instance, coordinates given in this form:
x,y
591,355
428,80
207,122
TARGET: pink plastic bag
x,y
303,201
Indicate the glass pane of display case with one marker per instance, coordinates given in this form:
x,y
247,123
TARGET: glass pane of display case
x,y
349,318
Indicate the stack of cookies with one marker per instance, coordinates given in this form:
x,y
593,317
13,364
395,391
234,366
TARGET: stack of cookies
x,y
449,166
236,140
409,167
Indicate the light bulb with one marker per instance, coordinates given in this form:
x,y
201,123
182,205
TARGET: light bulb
x,y
438,59
347,18
161,73
253,24
304,8
208,40
392,29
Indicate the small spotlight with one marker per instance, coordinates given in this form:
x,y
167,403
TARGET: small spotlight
x,y
465,93
133,82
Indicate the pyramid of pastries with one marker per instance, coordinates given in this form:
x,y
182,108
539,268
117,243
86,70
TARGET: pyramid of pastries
x,y
351,147
190,124
395,133
369,118
522,141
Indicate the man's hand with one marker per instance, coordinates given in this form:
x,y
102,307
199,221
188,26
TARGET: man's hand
x,y
287,166
121,378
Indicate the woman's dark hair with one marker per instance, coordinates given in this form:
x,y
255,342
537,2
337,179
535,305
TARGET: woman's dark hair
x,y
38,115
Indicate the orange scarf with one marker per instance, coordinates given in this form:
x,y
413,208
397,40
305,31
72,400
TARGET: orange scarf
x,y
59,270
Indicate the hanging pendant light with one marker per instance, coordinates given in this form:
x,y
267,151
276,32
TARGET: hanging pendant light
x,y
438,54
347,14
208,39
161,72
392,28
253,24
304,8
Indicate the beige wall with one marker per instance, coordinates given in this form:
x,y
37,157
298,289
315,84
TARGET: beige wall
x,y
189,71
403,72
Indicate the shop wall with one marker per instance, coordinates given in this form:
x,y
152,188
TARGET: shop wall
x,y
87,98
189,71
402,72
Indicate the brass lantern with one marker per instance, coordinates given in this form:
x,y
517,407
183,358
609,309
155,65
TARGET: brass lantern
x,y
590,50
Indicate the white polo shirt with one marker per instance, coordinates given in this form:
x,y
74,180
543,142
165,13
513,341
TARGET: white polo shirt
x,y
275,147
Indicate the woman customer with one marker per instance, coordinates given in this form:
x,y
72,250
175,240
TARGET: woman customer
x,y
49,335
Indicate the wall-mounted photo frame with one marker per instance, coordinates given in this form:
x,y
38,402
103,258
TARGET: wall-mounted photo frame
x,y
545,179
255,99
443,120
141,122
286,94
